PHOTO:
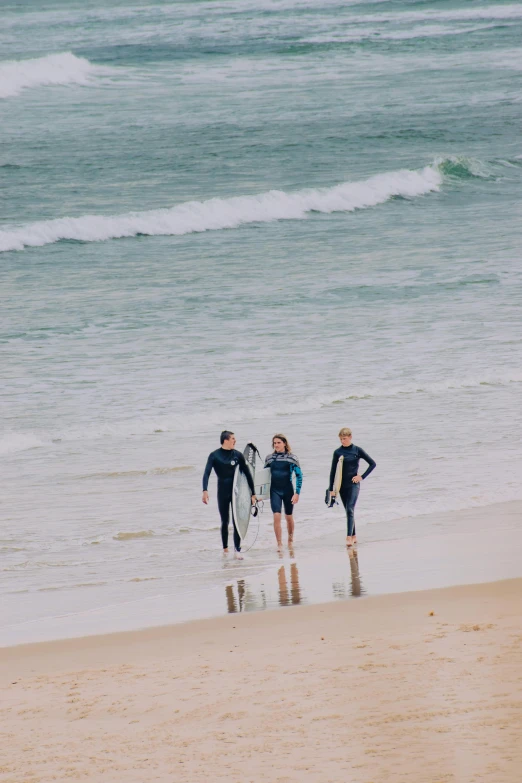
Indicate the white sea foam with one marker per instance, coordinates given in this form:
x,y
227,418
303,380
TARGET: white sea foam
x,y
19,441
249,6
219,213
179,11
64,68
505,11
189,423
421,31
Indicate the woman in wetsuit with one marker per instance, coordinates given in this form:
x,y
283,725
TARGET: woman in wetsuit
x,y
283,466
351,480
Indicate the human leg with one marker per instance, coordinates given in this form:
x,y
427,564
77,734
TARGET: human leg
x,y
349,499
289,513
290,526
224,499
237,538
276,504
277,530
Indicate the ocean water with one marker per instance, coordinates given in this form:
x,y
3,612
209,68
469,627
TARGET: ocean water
x,y
266,215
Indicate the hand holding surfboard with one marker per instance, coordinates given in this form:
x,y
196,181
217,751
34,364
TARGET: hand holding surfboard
x,y
331,495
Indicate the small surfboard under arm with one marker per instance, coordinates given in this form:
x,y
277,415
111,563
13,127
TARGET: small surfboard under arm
x,y
262,480
338,480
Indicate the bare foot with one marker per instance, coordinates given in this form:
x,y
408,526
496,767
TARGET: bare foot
x,y
349,541
239,556
225,551
290,540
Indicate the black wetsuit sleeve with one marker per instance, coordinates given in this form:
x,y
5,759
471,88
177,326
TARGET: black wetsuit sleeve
x,y
335,460
208,471
243,467
371,462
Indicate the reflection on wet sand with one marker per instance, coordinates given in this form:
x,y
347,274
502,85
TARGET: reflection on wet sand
x,y
356,588
286,596
291,584
243,597
232,605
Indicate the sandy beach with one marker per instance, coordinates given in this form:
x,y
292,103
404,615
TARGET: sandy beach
x,y
422,687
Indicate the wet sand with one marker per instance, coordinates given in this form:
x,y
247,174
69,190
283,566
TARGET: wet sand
x,y
422,686
416,553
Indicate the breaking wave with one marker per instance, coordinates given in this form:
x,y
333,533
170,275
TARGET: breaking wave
x,y
65,68
222,213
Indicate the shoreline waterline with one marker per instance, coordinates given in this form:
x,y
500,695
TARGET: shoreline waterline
x,y
412,554
133,644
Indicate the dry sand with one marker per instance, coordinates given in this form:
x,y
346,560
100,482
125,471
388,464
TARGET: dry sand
x,y
377,690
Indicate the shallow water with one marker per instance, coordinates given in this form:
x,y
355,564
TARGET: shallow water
x,y
422,553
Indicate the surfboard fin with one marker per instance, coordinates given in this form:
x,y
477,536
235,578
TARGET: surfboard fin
x,y
329,498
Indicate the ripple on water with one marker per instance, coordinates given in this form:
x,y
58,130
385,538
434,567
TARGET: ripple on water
x,y
131,535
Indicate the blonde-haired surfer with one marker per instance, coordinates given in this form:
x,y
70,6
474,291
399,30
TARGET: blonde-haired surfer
x,y
350,483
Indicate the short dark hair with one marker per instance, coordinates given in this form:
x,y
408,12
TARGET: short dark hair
x,y
225,435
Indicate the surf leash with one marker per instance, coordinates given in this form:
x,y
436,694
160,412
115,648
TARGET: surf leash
x,y
257,508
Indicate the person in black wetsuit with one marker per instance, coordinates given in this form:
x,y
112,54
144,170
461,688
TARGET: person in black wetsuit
x,y
351,480
224,462
283,465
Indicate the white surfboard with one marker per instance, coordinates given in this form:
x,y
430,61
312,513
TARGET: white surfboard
x,y
241,503
262,479
241,494
338,480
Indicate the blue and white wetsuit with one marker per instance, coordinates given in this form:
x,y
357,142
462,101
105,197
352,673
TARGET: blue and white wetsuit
x,y
283,468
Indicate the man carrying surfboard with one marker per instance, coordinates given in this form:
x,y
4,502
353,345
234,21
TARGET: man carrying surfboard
x,y
224,462
350,455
